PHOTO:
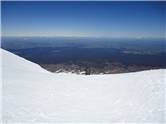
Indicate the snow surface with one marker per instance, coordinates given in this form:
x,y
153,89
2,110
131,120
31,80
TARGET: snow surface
x,y
31,94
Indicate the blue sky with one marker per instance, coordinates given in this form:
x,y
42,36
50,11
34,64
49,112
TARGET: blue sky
x,y
92,19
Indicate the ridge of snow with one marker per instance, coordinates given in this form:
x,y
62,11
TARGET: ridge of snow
x,y
21,62
31,94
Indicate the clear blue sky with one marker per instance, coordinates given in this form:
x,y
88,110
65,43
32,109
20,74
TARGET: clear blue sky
x,y
98,19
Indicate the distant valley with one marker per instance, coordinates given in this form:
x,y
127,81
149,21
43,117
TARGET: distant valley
x,y
89,55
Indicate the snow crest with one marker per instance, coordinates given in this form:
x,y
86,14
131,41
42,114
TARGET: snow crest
x,y
31,94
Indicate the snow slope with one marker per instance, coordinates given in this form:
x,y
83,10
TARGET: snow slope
x,y
31,94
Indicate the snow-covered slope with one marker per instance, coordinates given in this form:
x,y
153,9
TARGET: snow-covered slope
x,y
31,94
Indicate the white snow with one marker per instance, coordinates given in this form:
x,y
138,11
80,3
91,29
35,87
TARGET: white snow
x,y
31,94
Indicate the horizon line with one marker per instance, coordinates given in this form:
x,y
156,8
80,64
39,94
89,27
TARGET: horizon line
x,y
85,37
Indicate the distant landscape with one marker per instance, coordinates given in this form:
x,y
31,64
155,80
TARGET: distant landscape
x,y
88,55
83,62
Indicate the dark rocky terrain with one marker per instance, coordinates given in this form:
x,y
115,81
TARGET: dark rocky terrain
x,y
107,68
